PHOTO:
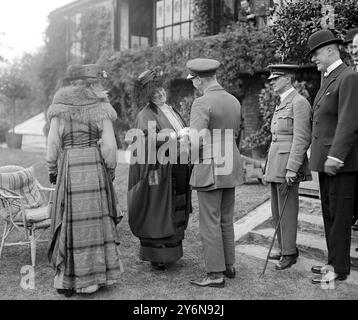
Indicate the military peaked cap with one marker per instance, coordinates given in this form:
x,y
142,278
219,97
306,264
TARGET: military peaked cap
x,y
278,70
201,67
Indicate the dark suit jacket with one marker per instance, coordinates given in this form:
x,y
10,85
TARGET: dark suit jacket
x,y
335,120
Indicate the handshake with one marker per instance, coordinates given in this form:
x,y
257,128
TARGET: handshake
x,y
173,135
183,132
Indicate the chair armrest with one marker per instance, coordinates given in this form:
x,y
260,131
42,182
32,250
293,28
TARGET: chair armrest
x,y
42,188
44,191
9,194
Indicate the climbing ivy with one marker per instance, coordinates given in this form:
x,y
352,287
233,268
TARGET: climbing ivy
x,y
96,30
201,17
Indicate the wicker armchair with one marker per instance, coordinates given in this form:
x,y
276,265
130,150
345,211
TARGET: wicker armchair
x,y
17,214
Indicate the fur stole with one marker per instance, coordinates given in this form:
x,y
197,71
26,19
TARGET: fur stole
x,y
81,104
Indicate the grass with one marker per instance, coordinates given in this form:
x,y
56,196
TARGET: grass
x,y
140,282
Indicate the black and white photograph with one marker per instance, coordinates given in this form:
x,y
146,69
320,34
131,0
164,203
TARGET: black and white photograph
x,y
179,156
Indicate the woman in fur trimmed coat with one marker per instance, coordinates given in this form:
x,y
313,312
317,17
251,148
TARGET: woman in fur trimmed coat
x,y
82,157
159,195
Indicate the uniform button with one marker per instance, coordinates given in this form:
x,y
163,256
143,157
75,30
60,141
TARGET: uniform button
x,y
274,122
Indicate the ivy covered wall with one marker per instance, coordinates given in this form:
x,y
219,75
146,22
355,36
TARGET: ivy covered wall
x,y
243,52
96,29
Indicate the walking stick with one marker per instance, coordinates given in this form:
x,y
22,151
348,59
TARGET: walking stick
x,y
277,225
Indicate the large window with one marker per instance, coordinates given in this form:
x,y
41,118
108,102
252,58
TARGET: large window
x,y
75,54
174,20
141,23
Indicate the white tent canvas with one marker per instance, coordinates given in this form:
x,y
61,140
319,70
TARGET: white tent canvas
x,y
32,132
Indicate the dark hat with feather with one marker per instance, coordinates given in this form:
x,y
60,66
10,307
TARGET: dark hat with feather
x,y
145,86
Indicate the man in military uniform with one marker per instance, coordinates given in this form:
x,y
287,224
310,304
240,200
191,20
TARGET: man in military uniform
x,y
334,151
287,159
216,114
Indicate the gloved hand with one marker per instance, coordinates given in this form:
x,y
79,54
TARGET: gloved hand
x,y
52,178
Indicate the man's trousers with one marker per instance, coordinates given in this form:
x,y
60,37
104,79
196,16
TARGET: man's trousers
x,y
337,200
216,213
287,232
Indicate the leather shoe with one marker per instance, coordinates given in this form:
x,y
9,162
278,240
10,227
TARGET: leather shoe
x,y
321,269
67,292
329,277
286,262
275,256
230,272
159,266
210,282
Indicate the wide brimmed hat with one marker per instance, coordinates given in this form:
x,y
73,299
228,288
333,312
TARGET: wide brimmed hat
x,y
320,39
86,71
202,67
146,77
145,86
278,70
350,35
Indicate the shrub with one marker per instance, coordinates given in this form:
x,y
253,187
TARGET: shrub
x,y
296,20
268,100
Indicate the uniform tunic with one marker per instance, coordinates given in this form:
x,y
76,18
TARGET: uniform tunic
x,y
291,136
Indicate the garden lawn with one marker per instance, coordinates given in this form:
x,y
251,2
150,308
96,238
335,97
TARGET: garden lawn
x,y
139,281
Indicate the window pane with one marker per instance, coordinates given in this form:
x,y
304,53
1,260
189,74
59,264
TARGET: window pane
x,y
185,13
134,42
192,30
168,12
160,36
176,32
185,30
176,9
168,34
144,42
160,13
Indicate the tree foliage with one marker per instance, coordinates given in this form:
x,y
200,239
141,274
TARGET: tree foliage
x,y
14,87
54,62
296,20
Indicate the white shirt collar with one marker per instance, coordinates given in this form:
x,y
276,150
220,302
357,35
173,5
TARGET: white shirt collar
x,y
333,66
286,93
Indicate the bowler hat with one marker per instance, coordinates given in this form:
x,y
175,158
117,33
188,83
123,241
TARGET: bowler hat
x,y
350,35
320,39
201,67
278,70
85,71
